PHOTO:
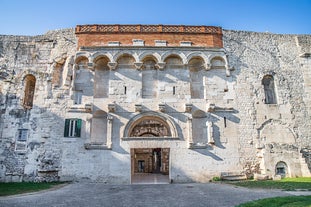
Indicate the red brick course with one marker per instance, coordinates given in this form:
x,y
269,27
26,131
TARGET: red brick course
x,y
100,35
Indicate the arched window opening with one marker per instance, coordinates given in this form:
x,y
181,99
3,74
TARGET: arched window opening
x,y
102,72
173,61
149,79
30,84
150,127
268,84
196,78
281,169
126,61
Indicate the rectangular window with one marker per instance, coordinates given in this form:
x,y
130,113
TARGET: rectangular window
x,y
21,139
72,128
22,135
78,97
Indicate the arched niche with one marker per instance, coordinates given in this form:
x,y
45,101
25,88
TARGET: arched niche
x,y
81,62
281,169
150,124
83,79
173,61
149,76
196,64
149,63
218,63
101,80
29,91
126,61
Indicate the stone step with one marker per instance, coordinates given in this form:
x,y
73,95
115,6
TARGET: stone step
x,y
232,176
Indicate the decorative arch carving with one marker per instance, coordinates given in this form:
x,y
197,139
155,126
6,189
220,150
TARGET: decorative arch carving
x,y
150,124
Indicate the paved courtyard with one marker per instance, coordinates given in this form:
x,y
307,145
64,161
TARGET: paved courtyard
x,y
99,194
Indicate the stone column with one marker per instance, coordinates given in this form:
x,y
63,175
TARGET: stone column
x,y
210,138
190,140
109,131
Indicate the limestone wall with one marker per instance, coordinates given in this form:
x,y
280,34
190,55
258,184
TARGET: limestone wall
x,y
255,55
229,128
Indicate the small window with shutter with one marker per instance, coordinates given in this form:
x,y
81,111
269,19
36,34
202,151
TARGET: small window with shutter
x,y
72,128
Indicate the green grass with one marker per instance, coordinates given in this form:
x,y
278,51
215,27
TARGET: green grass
x,y
24,187
288,184
290,201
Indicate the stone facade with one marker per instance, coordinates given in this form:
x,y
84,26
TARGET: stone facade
x,y
107,102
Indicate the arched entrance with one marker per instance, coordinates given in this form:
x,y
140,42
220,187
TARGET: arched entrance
x,y
150,165
281,169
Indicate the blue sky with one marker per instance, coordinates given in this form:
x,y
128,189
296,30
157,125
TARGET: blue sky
x,y
33,17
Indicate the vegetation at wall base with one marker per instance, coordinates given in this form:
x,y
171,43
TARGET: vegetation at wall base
x,y
25,187
286,184
290,201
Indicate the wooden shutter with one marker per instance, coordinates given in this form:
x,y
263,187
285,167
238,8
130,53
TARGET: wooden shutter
x,y
78,128
66,130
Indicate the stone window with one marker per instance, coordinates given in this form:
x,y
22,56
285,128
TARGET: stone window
x,y
21,139
30,84
72,128
22,135
268,84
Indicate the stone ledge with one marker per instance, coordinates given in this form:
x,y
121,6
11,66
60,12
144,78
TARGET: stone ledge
x,y
90,146
148,138
197,146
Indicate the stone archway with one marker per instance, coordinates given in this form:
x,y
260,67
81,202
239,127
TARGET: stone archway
x,y
150,124
150,164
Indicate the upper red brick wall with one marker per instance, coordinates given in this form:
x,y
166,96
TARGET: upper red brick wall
x,y
100,35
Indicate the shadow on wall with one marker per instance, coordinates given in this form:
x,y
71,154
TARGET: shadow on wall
x,y
207,152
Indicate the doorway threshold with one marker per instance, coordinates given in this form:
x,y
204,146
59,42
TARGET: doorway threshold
x,y
150,178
